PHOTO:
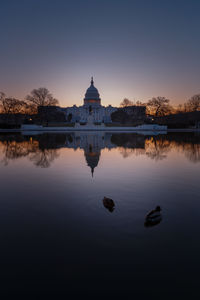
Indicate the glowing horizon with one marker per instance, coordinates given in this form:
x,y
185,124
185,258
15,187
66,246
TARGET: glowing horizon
x,y
135,50
69,98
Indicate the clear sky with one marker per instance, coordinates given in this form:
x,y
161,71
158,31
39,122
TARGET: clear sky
x,y
134,49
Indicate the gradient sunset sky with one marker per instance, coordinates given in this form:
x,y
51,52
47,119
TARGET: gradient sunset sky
x,y
134,49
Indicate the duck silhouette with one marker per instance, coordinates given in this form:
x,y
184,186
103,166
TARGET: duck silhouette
x,y
153,218
109,204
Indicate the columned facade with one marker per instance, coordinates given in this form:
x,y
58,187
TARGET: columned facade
x,y
91,107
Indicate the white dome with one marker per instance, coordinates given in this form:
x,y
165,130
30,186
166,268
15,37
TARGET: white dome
x,y
92,93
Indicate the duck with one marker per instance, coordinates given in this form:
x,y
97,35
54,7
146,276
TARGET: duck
x,y
154,217
109,204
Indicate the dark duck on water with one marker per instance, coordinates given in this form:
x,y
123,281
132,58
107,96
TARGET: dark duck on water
x,y
109,204
154,217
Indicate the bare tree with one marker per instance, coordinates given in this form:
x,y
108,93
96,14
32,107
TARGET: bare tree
x,y
30,108
126,102
2,98
10,105
193,103
159,106
140,103
179,109
41,97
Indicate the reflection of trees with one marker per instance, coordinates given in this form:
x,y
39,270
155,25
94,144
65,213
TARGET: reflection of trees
x,y
157,149
192,152
187,143
129,140
44,158
127,152
154,149
15,147
42,149
13,150
137,144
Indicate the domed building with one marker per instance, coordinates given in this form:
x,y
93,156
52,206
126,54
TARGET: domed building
x,y
91,110
92,95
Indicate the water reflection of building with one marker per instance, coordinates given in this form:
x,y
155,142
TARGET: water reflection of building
x,y
91,143
43,149
92,158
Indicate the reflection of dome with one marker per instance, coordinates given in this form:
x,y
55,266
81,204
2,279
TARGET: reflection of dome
x,y
92,94
92,158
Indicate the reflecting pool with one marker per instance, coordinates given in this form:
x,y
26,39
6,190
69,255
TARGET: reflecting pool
x,y
74,207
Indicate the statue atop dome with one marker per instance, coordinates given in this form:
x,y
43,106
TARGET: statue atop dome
x,y
92,96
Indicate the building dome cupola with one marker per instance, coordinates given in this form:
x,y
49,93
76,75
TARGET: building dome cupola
x,y
92,95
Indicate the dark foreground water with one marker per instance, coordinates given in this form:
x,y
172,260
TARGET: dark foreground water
x,y
58,237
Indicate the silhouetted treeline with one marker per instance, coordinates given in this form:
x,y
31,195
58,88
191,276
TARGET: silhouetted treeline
x,y
29,105
160,106
157,106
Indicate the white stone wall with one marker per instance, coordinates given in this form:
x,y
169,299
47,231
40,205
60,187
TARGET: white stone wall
x,y
81,113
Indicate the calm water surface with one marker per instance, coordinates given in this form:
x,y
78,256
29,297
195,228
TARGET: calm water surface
x,y
58,237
